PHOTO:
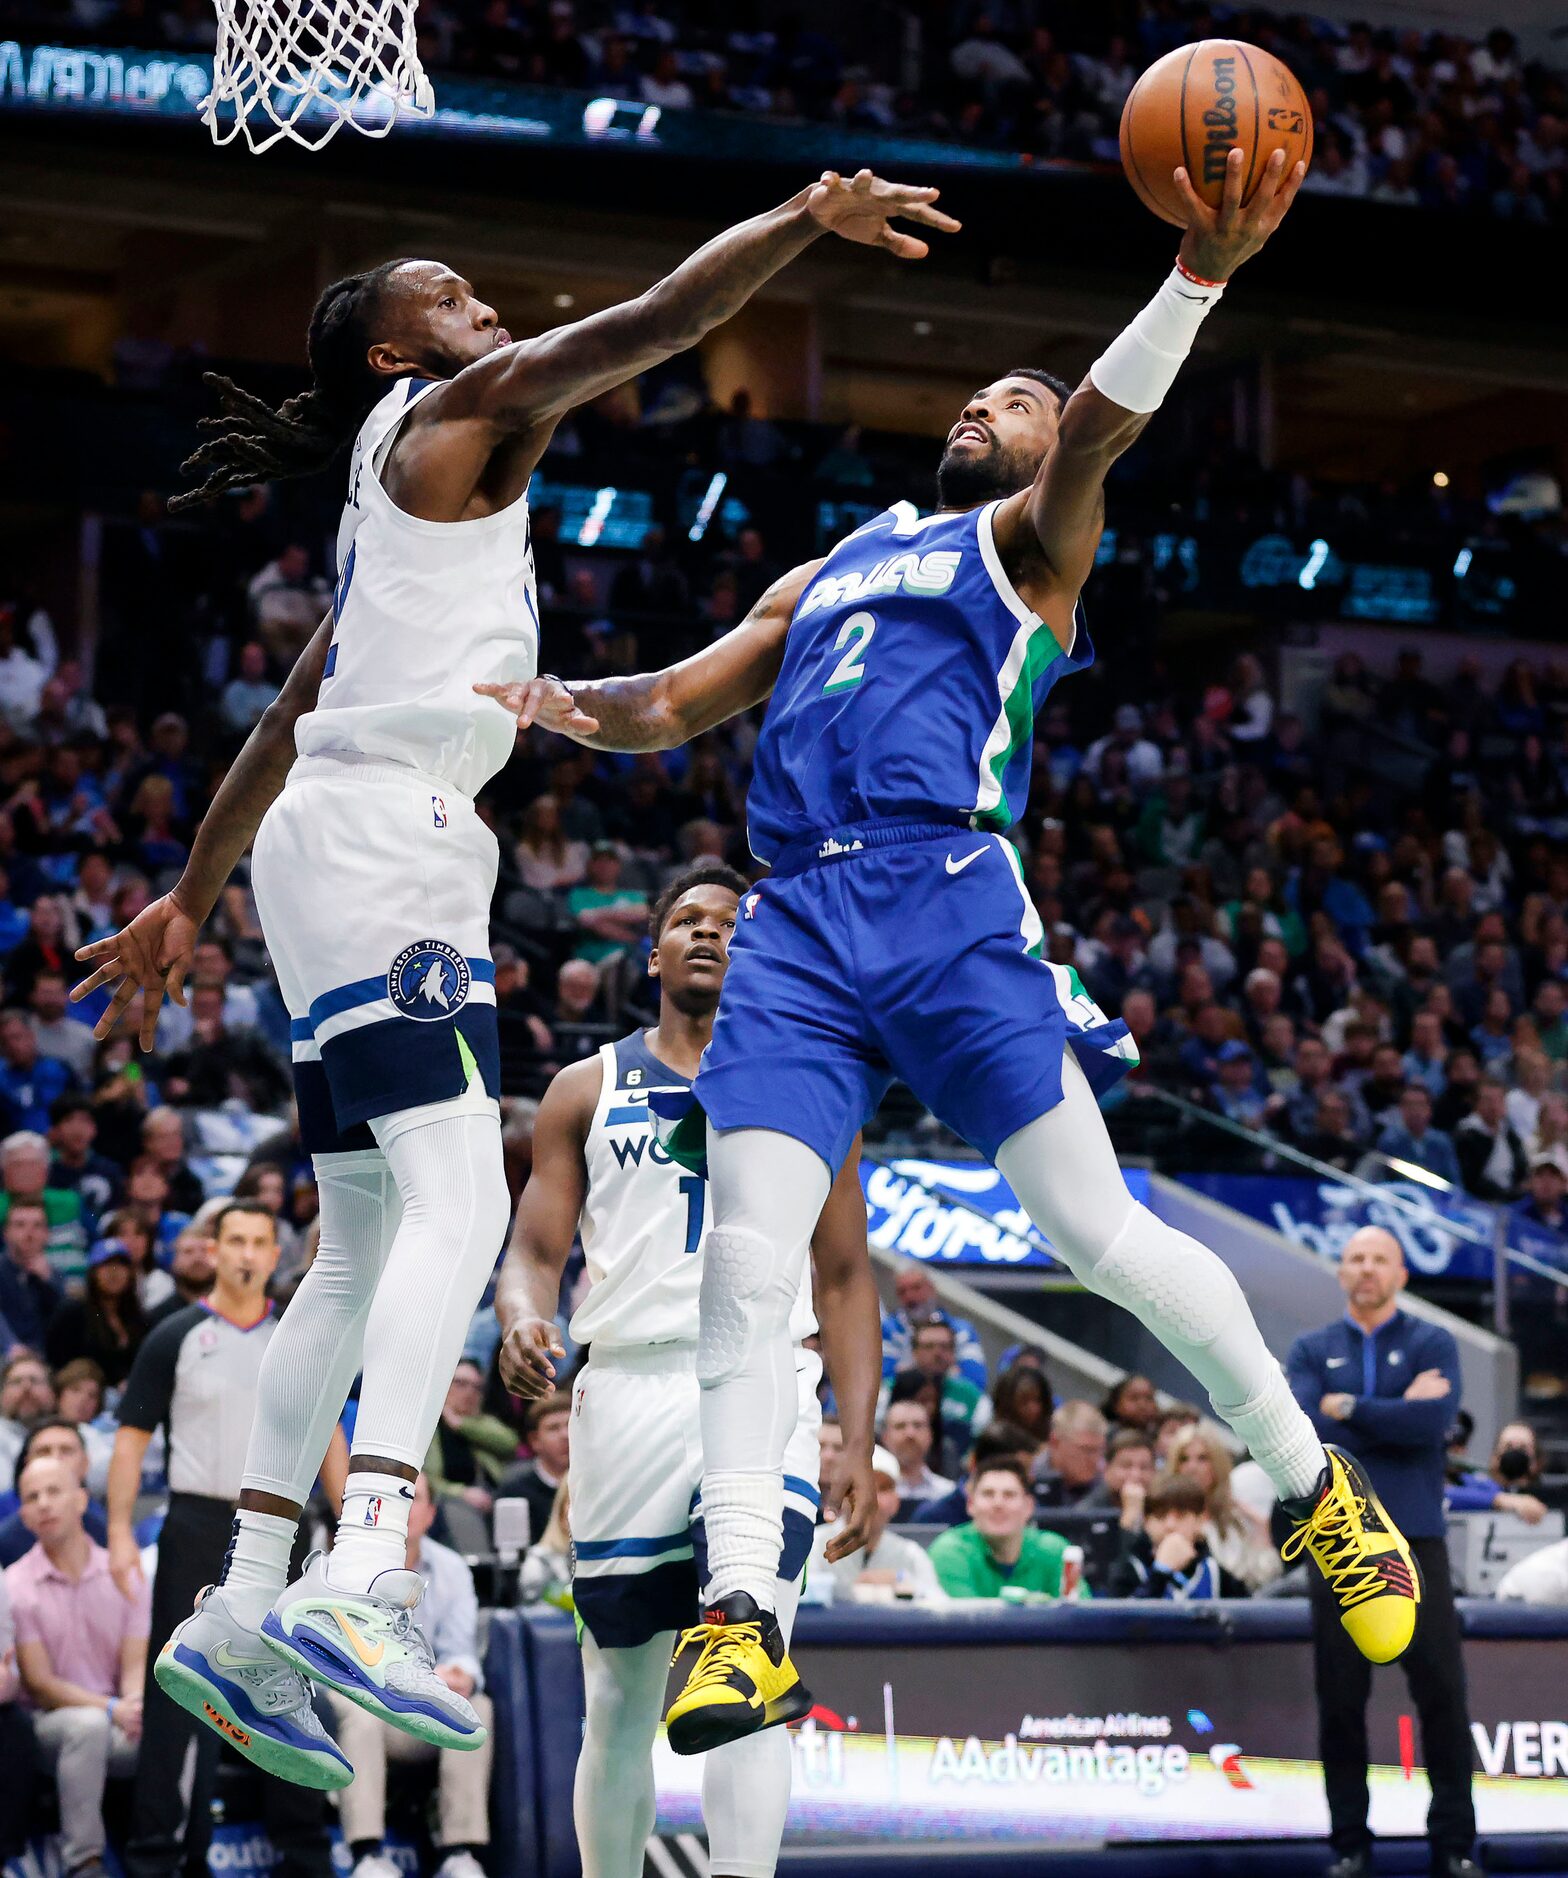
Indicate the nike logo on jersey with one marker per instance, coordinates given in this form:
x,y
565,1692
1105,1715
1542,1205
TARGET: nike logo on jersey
x,y
957,867
928,574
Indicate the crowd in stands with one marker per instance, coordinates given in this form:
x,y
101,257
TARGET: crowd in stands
x,y
1452,123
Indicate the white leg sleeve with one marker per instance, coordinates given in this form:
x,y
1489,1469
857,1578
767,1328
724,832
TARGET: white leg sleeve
x,y
316,1352
1064,1170
612,1795
768,1193
745,1788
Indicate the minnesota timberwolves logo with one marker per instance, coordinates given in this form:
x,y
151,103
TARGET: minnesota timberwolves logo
x,y
428,980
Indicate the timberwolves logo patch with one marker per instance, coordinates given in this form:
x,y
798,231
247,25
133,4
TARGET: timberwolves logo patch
x,y
428,980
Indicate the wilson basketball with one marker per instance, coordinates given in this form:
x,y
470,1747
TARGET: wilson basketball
x,y
1194,106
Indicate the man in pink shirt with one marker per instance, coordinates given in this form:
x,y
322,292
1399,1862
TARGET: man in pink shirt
x,y
81,1648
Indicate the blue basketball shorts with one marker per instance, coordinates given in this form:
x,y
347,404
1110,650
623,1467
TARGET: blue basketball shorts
x,y
373,883
898,950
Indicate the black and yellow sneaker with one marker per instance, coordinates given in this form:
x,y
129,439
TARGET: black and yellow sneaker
x,y
742,1680
1363,1556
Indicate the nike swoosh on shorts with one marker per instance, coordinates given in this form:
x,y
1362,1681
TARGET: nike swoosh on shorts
x,y
957,867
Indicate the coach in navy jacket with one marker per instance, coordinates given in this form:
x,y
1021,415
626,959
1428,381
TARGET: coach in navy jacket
x,y
1385,1386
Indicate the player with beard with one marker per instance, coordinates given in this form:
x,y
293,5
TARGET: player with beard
x,y
636,1457
896,937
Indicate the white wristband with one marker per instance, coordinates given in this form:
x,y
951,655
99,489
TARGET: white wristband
x,y
1137,369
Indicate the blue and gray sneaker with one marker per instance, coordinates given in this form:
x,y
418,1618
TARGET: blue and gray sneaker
x,y
366,1645
224,1675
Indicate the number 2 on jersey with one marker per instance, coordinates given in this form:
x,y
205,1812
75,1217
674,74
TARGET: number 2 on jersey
x,y
854,641
695,1189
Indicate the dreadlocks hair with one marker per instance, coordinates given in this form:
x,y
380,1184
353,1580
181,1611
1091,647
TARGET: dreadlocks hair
x,y
699,874
253,443
1058,387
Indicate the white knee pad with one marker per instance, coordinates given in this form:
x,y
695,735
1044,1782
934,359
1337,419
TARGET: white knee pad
x,y
1180,1289
741,1299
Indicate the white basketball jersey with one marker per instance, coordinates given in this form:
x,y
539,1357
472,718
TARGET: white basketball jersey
x,y
423,611
644,1217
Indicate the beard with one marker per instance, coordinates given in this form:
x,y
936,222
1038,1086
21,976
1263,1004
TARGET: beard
x,y
966,478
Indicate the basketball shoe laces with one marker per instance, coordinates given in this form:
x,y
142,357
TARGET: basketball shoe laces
x,y
724,1648
1338,1537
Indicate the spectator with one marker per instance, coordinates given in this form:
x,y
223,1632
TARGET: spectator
x,y
106,1323
75,1165
470,1449
1023,1397
610,916
1174,1421
907,1435
190,1268
449,1618
1069,1470
55,1438
29,1082
1001,1441
1238,1541
999,1549
918,1299
546,1576
1505,1487
1413,1138
80,1392
963,1410
1396,1426
1492,1159
888,1567
221,1065
16,1743
578,1022
830,1446
57,1034
1169,1558
1128,1475
163,1142
29,1295
25,1393
1132,1403
538,1479
248,692
81,1648
546,857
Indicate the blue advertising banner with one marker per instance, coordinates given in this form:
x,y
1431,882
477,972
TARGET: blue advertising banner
x,y
1322,1214
910,1208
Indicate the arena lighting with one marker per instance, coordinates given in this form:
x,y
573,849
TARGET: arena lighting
x,y
1439,479
707,507
1462,562
564,300
593,522
1317,556
1420,1174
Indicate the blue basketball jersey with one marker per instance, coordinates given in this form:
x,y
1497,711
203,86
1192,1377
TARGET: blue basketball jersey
x,y
911,678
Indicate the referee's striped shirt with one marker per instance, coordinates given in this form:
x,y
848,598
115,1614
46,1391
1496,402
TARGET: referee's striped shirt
x,y
195,1377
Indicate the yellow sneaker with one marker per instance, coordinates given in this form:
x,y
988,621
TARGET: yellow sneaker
x,y
1364,1557
742,1680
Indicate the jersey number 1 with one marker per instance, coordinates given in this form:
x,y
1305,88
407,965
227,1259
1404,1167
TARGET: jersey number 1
x,y
695,1189
854,641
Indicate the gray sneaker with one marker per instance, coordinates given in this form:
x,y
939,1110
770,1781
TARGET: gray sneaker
x,y
224,1675
366,1645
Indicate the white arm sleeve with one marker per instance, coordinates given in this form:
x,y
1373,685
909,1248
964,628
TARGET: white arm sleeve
x,y
1137,369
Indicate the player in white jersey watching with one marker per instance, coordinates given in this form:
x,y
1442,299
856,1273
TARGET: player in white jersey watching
x,y
373,876
636,1470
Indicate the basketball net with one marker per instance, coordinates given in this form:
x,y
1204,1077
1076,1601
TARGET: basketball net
x,y
302,69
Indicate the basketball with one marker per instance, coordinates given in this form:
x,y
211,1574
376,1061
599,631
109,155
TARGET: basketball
x,y
1194,106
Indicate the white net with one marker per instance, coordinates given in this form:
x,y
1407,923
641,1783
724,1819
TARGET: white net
x,y
302,69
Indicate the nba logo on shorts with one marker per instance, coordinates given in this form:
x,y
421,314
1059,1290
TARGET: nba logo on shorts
x,y
428,980
438,810
373,1512
751,904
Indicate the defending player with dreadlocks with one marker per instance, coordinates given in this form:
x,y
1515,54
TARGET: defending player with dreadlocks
x,y
373,876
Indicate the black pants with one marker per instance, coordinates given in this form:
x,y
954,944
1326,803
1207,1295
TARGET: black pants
x,y
177,1763
1435,1670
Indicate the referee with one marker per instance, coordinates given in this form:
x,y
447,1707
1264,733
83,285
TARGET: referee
x,y
195,1377
1385,1386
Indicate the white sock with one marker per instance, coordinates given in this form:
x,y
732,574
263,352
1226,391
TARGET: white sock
x,y
373,1531
768,1194
1064,1170
257,1566
613,1800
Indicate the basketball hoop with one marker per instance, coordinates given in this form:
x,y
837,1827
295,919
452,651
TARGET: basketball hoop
x,y
302,69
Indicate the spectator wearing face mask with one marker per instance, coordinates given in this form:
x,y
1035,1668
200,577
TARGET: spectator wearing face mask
x,y
1505,1487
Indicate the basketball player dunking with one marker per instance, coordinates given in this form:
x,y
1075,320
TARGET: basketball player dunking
x,y
895,937
373,877
636,1462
